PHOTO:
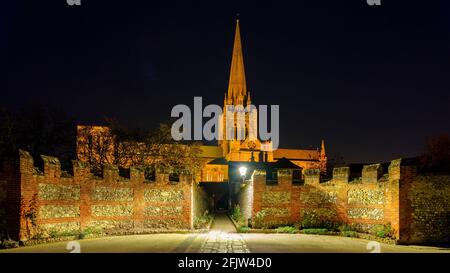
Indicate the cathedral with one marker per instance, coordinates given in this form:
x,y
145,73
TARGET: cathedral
x,y
229,152
247,150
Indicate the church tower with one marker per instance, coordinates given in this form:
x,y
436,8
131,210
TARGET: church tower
x,y
322,158
237,87
238,148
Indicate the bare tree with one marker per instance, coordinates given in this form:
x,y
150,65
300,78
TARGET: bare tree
x,y
155,151
437,155
171,156
95,145
39,130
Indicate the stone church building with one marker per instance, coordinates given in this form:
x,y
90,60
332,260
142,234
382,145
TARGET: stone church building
x,y
39,200
217,159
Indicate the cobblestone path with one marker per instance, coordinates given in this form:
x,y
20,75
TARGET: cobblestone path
x,y
223,237
224,242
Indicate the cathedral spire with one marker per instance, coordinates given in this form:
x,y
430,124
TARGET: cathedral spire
x,y
237,86
322,149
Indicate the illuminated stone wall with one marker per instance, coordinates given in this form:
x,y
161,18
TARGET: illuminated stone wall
x,y
427,207
58,192
415,205
245,199
360,201
112,194
49,205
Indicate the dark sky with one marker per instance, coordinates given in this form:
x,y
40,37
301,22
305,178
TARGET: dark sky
x,y
372,81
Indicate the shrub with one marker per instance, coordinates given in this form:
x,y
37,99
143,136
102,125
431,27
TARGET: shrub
x,y
258,220
330,225
349,233
92,230
382,231
348,227
236,215
320,231
309,220
81,235
316,220
53,233
202,221
8,243
287,229
243,229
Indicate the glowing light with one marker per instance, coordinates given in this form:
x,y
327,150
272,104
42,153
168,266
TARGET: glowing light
x,y
242,170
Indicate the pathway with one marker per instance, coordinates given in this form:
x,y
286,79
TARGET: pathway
x,y
223,237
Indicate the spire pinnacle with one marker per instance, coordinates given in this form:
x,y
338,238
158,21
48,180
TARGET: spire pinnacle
x,y
237,85
322,149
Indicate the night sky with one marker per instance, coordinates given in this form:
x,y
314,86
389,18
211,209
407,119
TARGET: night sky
x,y
373,81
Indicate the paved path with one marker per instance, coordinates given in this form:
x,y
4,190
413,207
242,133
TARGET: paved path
x,y
223,223
306,243
195,243
223,237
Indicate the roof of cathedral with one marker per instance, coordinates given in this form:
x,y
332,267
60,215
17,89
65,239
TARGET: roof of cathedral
x,y
284,163
218,161
296,154
211,151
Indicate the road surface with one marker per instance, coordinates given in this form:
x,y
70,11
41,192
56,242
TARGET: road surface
x,y
223,238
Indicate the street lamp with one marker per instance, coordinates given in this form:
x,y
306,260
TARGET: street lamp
x,y
243,172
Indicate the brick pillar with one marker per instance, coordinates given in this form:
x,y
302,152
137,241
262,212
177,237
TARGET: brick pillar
x,y
340,179
295,202
52,168
110,173
371,173
407,174
161,178
28,196
188,205
137,181
392,203
285,179
259,184
312,177
81,176
12,177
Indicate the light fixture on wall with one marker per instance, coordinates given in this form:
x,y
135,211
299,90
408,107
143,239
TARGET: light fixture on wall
x,y
243,172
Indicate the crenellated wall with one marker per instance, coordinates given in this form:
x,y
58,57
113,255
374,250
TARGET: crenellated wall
x,y
51,203
415,205
48,202
425,208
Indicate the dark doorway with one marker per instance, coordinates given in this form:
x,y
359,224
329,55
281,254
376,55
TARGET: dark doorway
x,y
220,193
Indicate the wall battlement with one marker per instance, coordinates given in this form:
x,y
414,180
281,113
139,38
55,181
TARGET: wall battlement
x,y
48,202
371,173
414,204
51,170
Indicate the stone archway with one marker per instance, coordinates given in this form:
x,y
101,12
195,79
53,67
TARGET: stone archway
x,y
220,193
